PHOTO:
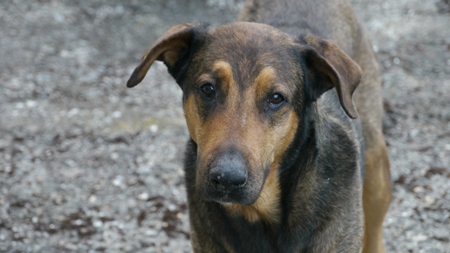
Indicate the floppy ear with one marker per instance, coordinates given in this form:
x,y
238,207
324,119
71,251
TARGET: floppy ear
x,y
332,68
173,48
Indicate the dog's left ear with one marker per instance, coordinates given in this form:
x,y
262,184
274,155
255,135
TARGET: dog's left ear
x,y
332,68
173,48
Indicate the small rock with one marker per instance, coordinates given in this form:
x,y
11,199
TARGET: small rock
x,y
154,128
429,200
116,114
151,232
97,223
35,219
419,238
92,199
114,156
418,189
143,196
72,112
118,181
31,103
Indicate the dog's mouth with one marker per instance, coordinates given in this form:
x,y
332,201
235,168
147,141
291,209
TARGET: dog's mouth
x,y
243,195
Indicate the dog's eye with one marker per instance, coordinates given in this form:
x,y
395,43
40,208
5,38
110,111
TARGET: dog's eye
x,y
276,100
208,90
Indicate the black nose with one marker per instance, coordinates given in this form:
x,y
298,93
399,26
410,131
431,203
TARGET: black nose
x,y
228,172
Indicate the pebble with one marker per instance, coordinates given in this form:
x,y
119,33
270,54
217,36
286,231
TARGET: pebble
x,y
418,189
154,128
429,200
419,238
143,196
118,181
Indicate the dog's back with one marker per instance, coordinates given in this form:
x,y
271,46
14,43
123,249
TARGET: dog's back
x,y
328,19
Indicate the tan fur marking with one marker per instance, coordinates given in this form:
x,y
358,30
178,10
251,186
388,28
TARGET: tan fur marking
x,y
284,135
266,207
224,71
219,127
200,132
192,118
265,77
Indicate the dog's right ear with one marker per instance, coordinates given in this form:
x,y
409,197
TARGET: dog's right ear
x,y
173,48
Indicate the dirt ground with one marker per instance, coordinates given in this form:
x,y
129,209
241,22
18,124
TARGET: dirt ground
x,y
87,165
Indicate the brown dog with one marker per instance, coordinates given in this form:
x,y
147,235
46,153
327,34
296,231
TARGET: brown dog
x,y
276,157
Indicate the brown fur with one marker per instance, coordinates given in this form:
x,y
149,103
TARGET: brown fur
x,y
315,205
266,208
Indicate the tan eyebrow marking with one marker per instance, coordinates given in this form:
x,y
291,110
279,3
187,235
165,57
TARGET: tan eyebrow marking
x,y
224,71
221,70
265,78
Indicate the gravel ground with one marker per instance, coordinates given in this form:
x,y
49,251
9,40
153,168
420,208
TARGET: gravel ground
x,y
87,165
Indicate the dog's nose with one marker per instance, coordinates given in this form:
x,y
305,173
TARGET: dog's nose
x,y
228,171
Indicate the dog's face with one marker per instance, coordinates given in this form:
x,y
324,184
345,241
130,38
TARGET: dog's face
x,y
237,102
245,86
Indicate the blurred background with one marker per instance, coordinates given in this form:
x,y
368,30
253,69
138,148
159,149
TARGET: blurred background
x,y
87,165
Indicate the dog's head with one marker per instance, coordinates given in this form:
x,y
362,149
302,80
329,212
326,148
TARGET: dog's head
x,y
245,86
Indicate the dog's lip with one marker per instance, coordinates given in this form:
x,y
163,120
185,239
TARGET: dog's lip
x,y
230,202
221,200
235,196
234,188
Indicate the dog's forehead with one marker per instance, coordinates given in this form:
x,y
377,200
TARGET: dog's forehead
x,y
249,30
250,48
241,36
